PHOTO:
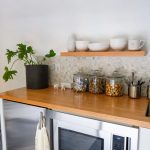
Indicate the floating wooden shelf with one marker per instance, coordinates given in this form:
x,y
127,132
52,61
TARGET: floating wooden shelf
x,y
106,53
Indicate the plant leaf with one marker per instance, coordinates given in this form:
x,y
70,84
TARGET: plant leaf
x,y
8,74
30,50
22,51
50,54
10,54
21,46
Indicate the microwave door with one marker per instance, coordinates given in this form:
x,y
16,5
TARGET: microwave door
x,y
69,139
68,136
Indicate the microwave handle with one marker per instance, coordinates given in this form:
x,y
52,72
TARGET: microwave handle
x,y
128,143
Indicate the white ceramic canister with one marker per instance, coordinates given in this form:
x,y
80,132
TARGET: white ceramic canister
x,y
71,43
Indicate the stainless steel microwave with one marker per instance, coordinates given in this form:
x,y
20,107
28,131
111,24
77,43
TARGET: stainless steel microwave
x,y
78,133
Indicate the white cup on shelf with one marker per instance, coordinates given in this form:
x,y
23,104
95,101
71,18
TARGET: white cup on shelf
x,y
135,44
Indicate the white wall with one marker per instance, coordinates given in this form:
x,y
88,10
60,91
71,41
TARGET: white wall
x,y
46,24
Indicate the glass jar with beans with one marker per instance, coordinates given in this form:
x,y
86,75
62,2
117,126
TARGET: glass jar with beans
x,y
115,85
80,82
96,82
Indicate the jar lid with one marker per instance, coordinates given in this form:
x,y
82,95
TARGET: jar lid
x,y
96,73
115,74
81,74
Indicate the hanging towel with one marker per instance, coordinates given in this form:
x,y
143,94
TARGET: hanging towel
x,y
38,139
45,139
41,139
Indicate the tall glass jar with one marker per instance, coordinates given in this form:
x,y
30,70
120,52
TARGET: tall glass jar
x,y
96,83
115,85
80,82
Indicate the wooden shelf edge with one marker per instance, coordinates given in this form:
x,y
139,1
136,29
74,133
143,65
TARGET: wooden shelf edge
x,y
106,53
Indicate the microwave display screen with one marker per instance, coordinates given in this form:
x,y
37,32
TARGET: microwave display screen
x,y
71,140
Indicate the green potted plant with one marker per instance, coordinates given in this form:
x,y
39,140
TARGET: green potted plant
x,y
36,70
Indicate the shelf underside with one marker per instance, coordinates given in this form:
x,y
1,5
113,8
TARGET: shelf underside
x,y
106,53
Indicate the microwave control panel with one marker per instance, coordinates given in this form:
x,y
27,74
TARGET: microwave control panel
x,y
118,142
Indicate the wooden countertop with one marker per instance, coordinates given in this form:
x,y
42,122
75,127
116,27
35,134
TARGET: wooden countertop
x,y
120,110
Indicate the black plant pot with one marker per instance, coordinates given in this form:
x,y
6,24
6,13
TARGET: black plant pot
x,y
37,76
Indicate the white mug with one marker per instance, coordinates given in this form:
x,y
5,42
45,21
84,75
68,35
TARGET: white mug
x,y
135,44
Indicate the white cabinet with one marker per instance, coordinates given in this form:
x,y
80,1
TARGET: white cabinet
x,y
144,139
2,124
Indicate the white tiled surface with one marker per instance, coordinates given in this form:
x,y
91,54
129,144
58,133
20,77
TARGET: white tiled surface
x,y
63,68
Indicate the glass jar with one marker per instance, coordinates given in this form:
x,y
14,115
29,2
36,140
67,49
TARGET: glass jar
x,y
96,83
80,82
115,85
148,90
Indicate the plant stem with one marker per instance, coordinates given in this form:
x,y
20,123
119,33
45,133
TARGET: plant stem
x,y
35,60
13,63
31,59
27,61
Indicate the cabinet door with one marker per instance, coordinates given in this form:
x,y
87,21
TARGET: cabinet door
x,y
144,139
3,145
21,124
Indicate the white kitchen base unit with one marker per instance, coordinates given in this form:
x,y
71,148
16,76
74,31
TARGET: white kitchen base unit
x,y
144,139
89,134
2,124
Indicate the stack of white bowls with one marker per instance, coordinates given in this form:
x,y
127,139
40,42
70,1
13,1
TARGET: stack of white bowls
x,y
86,45
82,45
118,43
101,46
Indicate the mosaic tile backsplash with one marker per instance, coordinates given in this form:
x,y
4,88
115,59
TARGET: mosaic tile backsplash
x,y
63,68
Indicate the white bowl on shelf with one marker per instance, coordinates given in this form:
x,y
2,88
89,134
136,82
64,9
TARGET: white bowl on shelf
x,y
118,43
103,46
82,45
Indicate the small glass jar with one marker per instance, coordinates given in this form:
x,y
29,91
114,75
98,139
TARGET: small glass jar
x,y
115,85
96,83
148,90
80,82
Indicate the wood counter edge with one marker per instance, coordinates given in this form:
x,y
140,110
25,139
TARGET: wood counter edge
x,y
79,112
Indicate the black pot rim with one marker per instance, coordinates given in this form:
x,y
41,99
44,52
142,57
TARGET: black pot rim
x,y
37,65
